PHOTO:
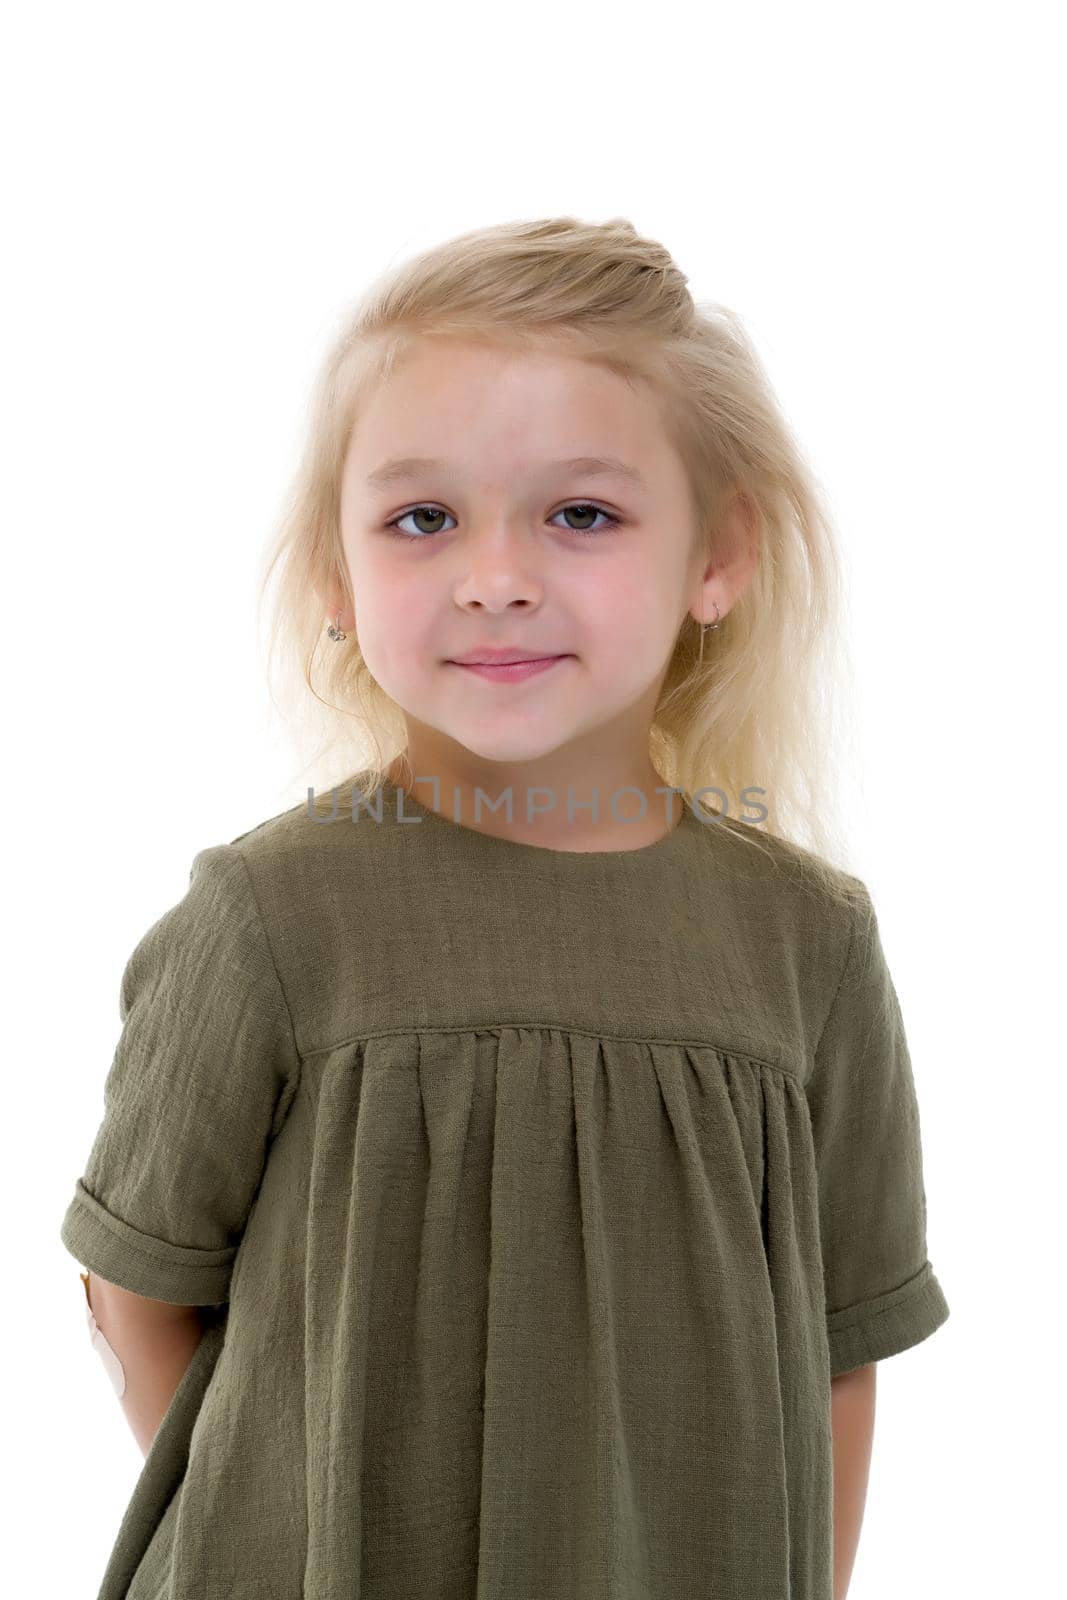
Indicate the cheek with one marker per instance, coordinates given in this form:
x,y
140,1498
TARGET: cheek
x,y
383,595
398,634
636,643
622,611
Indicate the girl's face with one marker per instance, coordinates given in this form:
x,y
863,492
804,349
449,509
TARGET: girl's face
x,y
500,536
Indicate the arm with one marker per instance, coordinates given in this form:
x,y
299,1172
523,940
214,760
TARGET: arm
x,y
154,1341
852,1397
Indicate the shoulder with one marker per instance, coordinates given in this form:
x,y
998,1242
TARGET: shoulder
x,y
805,913
313,866
322,878
769,862
312,826
211,931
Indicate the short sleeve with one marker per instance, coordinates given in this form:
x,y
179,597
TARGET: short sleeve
x,y
882,1295
202,1077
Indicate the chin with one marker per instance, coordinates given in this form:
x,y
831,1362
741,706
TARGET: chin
x,y
505,751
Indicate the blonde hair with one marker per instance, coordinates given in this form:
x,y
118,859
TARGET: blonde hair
x,y
756,704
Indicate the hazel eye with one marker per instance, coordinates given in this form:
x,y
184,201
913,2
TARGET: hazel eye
x,y
597,511
415,511
418,534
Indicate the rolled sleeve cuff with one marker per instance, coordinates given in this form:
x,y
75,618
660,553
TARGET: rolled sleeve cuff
x,y
120,1253
886,1325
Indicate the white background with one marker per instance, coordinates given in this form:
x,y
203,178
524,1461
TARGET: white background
x,y
191,193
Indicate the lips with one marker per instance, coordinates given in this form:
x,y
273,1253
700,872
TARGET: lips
x,y
490,656
509,671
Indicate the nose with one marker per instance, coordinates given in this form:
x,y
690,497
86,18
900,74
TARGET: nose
x,y
499,569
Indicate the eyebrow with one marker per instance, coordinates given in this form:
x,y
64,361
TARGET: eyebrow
x,y
404,468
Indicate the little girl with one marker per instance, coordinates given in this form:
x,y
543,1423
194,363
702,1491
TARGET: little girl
x,y
511,1169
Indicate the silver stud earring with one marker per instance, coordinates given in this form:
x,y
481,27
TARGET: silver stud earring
x,y
334,631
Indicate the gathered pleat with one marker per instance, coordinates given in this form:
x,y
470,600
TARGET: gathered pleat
x,y
559,1318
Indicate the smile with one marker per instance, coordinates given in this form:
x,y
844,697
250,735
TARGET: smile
x,y
509,671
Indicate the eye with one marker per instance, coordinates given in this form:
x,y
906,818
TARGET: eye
x,y
598,511
414,512
583,506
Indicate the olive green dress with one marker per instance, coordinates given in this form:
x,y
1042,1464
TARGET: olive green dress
x,y
537,1195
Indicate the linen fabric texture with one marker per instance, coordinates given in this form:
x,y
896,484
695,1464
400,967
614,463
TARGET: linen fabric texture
x,y
533,1197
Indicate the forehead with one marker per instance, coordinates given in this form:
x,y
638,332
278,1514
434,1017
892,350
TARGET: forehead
x,y
451,406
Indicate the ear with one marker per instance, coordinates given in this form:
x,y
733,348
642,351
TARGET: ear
x,y
336,604
733,565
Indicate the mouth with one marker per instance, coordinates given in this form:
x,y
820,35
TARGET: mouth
x,y
509,671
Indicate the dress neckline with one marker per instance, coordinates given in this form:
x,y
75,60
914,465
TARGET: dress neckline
x,y
400,805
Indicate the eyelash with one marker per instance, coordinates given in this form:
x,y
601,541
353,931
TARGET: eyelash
x,y
583,505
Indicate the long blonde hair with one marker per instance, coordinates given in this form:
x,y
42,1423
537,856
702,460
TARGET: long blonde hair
x,y
755,704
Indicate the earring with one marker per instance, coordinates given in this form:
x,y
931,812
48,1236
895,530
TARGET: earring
x,y
709,627
334,631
